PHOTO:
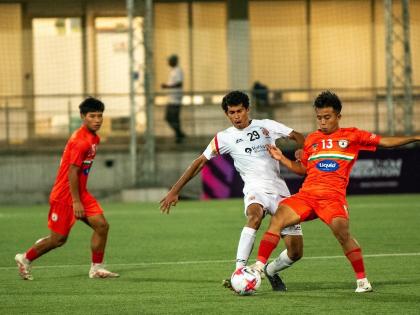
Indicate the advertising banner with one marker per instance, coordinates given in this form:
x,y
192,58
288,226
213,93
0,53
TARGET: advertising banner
x,y
385,171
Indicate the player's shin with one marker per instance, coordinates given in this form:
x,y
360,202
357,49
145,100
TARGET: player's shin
x,y
267,245
280,263
97,257
246,243
355,257
31,254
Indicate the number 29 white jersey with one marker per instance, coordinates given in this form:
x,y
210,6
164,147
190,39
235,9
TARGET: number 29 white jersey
x,y
247,147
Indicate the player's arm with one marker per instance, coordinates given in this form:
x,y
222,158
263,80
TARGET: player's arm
x,y
390,142
170,86
294,166
74,191
300,139
172,196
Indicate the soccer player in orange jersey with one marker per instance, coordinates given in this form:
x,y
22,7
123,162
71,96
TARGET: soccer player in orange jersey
x,y
328,156
70,200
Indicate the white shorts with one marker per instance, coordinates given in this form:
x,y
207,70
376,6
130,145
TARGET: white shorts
x,y
270,202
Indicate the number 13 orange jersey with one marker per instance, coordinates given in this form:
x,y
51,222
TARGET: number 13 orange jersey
x,y
329,158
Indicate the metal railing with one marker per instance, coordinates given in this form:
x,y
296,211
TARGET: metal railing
x,y
26,119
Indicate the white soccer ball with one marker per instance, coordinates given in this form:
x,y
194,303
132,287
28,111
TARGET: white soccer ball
x,y
245,280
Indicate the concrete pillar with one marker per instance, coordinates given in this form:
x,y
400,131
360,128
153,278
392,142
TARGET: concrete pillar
x,y
238,44
28,70
89,52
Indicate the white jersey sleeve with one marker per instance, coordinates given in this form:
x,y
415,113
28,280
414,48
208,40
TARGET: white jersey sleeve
x,y
216,147
280,130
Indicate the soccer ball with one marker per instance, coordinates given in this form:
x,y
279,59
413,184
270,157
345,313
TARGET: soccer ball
x,y
245,280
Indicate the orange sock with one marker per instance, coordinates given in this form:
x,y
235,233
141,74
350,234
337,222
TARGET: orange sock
x,y
267,245
97,257
356,259
31,254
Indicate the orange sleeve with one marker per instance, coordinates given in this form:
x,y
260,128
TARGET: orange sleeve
x,y
305,156
78,152
367,141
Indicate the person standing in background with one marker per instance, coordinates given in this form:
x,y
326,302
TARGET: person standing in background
x,y
174,88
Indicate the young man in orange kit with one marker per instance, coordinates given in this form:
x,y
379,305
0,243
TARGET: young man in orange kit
x,y
328,157
70,200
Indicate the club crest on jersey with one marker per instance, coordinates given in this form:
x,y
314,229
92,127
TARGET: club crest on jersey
x,y
265,132
314,146
327,165
54,217
92,152
343,144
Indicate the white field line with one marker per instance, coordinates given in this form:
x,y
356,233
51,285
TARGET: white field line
x,y
193,262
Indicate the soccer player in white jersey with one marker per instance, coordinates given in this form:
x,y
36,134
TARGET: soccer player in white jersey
x,y
246,142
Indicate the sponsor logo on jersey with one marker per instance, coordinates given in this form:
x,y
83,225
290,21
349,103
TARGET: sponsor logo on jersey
x,y
238,140
248,150
86,171
259,148
343,144
327,165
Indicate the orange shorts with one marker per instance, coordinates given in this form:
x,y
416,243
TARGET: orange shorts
x,y
309,207
61,216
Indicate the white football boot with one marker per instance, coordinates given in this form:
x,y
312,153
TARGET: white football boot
x,y
99,271
363,285
24,267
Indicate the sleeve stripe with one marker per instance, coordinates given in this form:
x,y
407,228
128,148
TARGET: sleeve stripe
x,y
217,144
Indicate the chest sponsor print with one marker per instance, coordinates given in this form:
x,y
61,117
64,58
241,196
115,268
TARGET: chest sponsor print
x,y
327,165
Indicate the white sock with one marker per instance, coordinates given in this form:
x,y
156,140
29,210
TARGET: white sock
x,y
246,243
280,263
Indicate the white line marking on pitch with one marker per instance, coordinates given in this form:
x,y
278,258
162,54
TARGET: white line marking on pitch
x,y
211,261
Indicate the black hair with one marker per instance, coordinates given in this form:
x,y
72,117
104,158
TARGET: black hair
x,y
173,60
90,105
235,98
328,99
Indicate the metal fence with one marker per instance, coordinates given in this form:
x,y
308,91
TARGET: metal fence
x,y
34,121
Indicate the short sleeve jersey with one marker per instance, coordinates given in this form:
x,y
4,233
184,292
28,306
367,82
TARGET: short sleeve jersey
x,y
80,150
247,147
330,158
175,94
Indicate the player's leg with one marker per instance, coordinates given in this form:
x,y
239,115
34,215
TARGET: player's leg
x,y
60,221
100,228
254,214
352,250
293,240
284,216
41,247
292,253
